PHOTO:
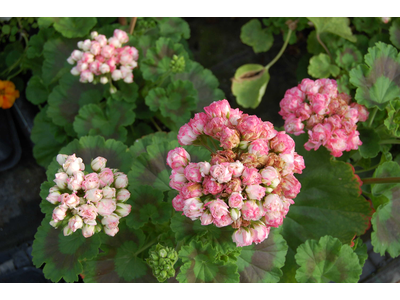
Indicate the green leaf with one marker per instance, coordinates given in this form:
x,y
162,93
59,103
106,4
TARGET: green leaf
x,y
348,56
321,66
56,52
6,29
387,169
68,97
395,33
329,203
45,206
128,92
45,22
74,27
174,28
37,41
140,145
377,83
249,84
199,265
370,143
92,119
343,84
62,254
204,82
119,260
327,260
261,39
263,262
47,137
36,91
158,58
155,97
392,122
360,249
335,25
367,24
147,204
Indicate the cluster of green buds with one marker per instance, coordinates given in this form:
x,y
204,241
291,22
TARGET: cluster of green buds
x,y
177,64
161,260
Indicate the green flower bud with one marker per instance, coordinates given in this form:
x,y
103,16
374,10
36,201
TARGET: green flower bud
x,y
162,259
162,253
177,64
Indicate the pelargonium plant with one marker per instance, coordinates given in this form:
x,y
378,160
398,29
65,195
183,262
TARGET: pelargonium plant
x,y
104,60
329,116
90,202
248,185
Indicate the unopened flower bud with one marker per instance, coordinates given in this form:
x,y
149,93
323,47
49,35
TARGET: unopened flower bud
x,y
121,180
88,230
103,80
123,209
98,163
235,214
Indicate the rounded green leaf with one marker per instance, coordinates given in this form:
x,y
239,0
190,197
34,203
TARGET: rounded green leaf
x,y
173,28
370,143
263,262
37,41
392,122
377,82
321,66
367,24
200,265
327,260
387,169
348,56
36,91
74,27
329,202
335,25
155,97
62,254
395,33
253,35
249,84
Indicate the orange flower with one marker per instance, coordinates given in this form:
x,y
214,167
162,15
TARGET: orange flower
x,y
8,94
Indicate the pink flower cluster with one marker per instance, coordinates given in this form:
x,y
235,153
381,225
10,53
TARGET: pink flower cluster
x,y
82,199
327,115
248,185
103,58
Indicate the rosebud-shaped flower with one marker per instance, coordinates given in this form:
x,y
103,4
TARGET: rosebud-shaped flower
x,y
193,208
249,127
242,237
108,192
221,172
123,195
255,191
251,210
236,200
259,232
121,36
177,180
111,221
218,208
234,116
61,158
225,220
273,203
73,164
61,180
70,201
215,127
206,218
91,181
106,207
98,164
113,41
87,230
259,147
235,214
186,135
235,185
191,190
192,173
75,223
290,186
218,109
111,231
104,68
178,203
251,176
121,180
86,76
123,209
270,176
54,197
116,75
107,51
236,168
178,159
211,187
59,213
75,182
204,168
282,143
106,177
230,138
299,165
87,212
273,218
198,122
287,162
94,195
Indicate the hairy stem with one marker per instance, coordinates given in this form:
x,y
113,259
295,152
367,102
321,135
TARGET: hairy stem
x,y
366,170
281,51
155,124
380,180
323,45
393,141
372,117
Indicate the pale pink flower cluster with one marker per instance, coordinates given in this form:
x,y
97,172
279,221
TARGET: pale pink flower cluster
x,y
104,59
249,185
90,202
328,116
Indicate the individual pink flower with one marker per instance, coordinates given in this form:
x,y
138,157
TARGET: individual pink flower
x,y
236,200
69,200
337,143
221,172
178,203
54,197
192,173
215,127
86,76
282,143
287,160
123,210
122,195
186,136
294,125
88,230
111,231
198,122
218,109
206,218
211,186
178,159
106,207
251,210
270,176
120,180
108,192
191,190
121,36
251,176
362,111
255,191
218,208
73,164
98,164
259,147
273,218
61,180
106,177
94,195
272,203
259,232
249,127
290,186
225,220
75,223
242,237
87,212
235,214
234,116
177,180
59,213
204,168
236,168
75,182
230,138
193,208
92,181
299,164
267,130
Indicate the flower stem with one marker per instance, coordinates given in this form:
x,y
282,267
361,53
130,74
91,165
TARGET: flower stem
x,y
366,170
281,51
380,180
372,117
393,141
146,246
323,45
155,124
132,25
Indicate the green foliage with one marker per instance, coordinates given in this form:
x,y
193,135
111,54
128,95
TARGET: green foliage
x,y
261,39
161,260
395,33
263,262
327,260
36,91
392,122
249,84
370,139
335,25
377,82
321,66
174,28
348,56
74,27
